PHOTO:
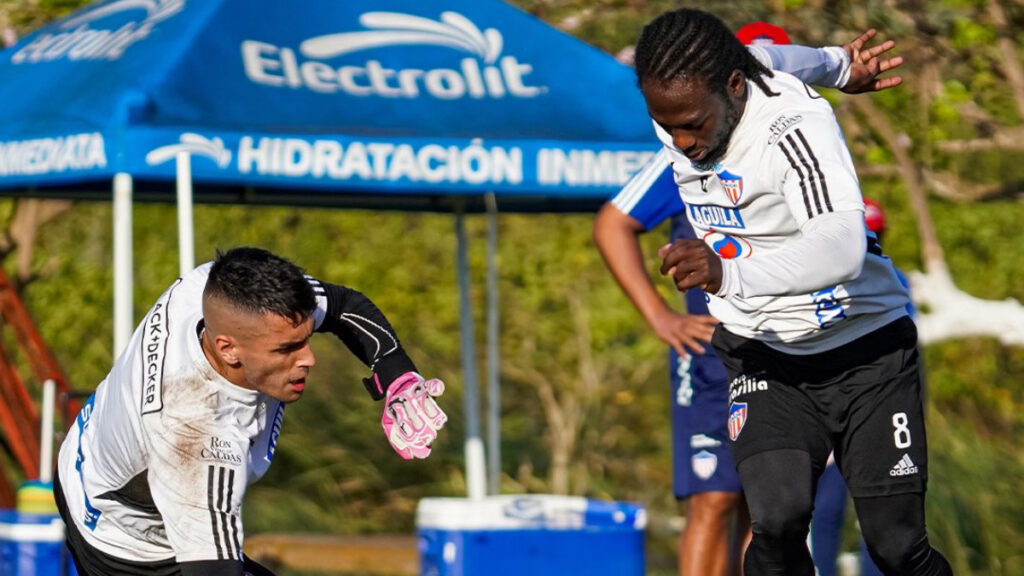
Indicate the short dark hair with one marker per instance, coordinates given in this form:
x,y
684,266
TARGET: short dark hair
x,y
257,281
694,44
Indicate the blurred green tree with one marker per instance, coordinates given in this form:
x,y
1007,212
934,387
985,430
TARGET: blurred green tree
x,y
585,387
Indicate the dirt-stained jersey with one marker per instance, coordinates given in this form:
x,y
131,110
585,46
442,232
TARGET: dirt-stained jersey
x,y
787,163
157,463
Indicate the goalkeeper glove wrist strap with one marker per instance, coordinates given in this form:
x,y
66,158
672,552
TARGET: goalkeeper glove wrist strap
x,y
385,371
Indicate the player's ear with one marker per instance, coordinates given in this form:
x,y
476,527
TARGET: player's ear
x,y
227,348
737,84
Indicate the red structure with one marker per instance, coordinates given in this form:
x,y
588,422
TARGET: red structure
x,y
19,418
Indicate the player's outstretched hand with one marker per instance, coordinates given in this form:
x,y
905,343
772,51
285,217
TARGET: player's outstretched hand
x,y
867,63
411,415
691,262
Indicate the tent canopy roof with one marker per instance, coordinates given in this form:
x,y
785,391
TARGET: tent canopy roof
x,y
377,103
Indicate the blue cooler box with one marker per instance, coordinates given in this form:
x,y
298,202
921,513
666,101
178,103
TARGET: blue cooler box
x,y
534,535
33,545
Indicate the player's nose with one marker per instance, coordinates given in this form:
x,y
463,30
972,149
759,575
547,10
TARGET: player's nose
x,y
684,141
307,359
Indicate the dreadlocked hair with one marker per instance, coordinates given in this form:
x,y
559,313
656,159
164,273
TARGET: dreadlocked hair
x,y
694,44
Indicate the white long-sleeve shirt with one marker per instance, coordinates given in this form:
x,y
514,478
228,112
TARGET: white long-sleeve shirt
x,y
783,209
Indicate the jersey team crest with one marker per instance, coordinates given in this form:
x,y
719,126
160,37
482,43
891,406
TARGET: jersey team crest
x,y
732,184
737,418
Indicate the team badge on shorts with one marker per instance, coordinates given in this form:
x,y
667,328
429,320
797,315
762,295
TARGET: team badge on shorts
x,y
737,418
704,464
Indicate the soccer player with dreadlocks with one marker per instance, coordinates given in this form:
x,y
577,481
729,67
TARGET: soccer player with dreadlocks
x,y
813,330
704,475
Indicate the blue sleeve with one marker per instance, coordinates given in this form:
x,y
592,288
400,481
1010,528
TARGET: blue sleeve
x,y
651,195
911,310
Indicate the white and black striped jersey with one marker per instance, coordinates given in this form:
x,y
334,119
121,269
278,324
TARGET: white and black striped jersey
x,y
158,461
786,163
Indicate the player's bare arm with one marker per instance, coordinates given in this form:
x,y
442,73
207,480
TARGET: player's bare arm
x,y
616,235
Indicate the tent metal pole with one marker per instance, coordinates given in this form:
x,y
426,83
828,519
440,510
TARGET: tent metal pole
x,y
186,241
122,261
46,430
493,356
474,447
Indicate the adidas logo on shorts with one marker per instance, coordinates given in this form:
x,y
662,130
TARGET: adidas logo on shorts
x,y
905,467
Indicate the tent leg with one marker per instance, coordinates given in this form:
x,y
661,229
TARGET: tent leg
x,y
122,261
186,241
46,430
493,356
474,447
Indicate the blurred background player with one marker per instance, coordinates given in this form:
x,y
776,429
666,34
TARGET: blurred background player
x,y
704,474
717,523
874,219
762,34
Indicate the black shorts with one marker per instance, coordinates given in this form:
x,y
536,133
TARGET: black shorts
x,y
862,400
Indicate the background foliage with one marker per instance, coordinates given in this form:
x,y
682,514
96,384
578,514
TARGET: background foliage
x,y
585,384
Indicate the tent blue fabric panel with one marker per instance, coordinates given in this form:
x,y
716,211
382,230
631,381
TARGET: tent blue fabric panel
x,y
509,76
92,71
388,97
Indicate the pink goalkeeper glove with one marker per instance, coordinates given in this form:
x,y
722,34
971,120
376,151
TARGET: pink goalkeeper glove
x,y
411,415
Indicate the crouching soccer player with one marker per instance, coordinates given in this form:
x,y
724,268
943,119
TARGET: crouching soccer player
x,y
151,477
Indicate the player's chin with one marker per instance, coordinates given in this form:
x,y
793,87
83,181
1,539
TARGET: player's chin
x,y
698,156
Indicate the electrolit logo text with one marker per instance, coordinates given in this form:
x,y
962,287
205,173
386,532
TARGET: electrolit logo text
x,y
486,74
81,38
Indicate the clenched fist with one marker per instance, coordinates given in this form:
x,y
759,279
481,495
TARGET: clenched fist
x,y
691,263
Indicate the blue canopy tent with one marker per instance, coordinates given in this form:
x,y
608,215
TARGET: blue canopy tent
x,y
434,105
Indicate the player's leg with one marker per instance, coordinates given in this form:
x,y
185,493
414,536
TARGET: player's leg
x,y
781,445
894,530
778,485
867,565
827,522
704,547
827,525
742,536
704,474
884,456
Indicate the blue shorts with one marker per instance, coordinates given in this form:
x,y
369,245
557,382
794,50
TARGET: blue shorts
x,y
701,457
